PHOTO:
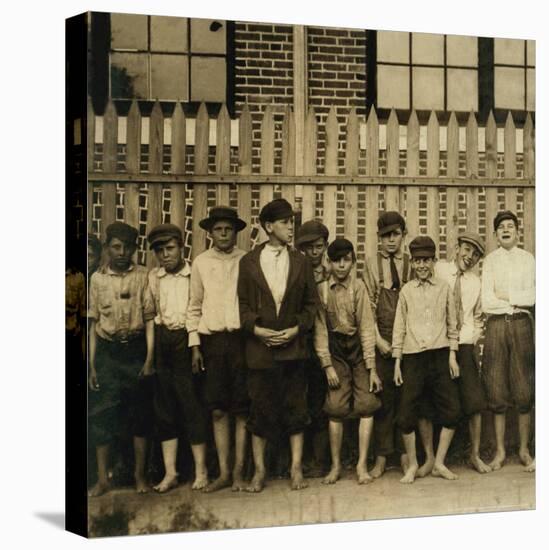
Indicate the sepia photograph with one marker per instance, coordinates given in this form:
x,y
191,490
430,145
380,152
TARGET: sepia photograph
x,y
308,294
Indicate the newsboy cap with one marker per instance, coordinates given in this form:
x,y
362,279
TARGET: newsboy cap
x,y
277,209
389,221
423,247
120,230
338,248
505,215
472,238
222,213
311,231
163,233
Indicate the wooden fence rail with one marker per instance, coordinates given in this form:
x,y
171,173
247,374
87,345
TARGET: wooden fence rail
x,y
443,178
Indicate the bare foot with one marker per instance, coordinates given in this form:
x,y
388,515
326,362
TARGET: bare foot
x,y
525,457
426,468
141,486
363,475
257,484
167,484
99,489
497,461
404,462
200,481
530,467
479,465
439,470
238,482
332,476
297,480
410,474
220,483
379,467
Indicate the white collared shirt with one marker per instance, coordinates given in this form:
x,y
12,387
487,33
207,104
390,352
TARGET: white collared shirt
x,y
511,272
471,329
275,264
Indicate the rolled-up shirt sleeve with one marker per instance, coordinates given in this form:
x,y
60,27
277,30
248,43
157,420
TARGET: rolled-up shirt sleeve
x,y
399,327
451,321
365,321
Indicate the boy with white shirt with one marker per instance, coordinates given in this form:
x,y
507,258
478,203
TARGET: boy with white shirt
x,y
508,298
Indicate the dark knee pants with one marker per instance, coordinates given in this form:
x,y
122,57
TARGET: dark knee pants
x,y
509,362
471,388
428,372
384,417
177,402
317,386
123,404
278,404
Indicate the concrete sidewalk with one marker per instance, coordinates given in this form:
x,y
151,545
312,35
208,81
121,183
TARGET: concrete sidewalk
x,y
124,512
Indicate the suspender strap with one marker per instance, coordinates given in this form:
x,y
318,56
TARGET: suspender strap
x,y
406,261
380,270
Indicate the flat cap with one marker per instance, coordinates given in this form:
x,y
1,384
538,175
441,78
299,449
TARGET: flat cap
x,y
472,238
389,221
277,209
505,215
163,233
423,247
222,213
338,248
120,230
311,231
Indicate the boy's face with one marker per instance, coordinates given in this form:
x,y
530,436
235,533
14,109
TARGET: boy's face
x,y
314,250
281,230
423,267
223,235
507,234
93,259
168,255
342,267
391,242
120,254
467,256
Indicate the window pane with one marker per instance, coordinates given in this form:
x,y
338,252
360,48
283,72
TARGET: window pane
x,y
508,51
128,32
462,90
169,77
531,52
168,34
428,88
208,36
531,90
428,48
129,75
393,87
208,79
462,51
508,88
393,47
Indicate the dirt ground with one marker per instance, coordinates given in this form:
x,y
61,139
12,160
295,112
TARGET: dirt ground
x,y
122,511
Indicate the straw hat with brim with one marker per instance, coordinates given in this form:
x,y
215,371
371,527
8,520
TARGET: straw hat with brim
x,y
222,213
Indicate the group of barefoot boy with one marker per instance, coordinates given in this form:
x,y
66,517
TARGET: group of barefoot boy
x,y
278,337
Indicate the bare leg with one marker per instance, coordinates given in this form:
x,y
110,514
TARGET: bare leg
x,y
336,438
200,470
296,470
365,427
379,467
475,427
426,434
524,438
103,484
169,455
499,428
221,430
140,455
241,436
439,469
410,445
258,481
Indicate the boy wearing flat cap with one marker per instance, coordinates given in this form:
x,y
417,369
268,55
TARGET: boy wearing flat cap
x,y
425,343
465,286
278,301
508,299
312,240
178,406
121,340
345,345
385,274
213,322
